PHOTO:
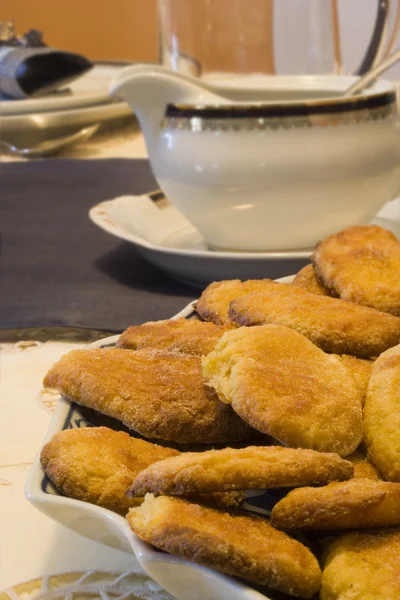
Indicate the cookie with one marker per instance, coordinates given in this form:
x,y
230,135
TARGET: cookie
x,y
242,546
159,394
283,385
252,468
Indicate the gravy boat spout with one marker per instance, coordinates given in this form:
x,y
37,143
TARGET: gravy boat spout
x,y
148,89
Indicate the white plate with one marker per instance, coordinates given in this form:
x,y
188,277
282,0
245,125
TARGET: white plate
x,y
27,130
166,238
25,123
180,577
89,90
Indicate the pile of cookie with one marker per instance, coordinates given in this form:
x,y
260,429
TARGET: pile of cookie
x,y
294,387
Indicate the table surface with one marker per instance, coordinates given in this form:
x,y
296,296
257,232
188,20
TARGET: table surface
x,y
124,142
32,545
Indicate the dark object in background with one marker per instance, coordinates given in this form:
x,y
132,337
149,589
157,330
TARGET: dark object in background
x,y
8,37
29,68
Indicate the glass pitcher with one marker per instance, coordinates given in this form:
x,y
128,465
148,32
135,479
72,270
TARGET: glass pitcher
x,y
282,37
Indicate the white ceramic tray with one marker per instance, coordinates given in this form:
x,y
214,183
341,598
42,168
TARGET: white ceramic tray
x,y
182,578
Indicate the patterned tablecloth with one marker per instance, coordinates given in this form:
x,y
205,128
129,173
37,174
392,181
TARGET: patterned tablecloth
x,y
32,545
87,585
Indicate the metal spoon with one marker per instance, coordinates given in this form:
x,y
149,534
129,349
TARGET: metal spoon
x,y
366,80
50,146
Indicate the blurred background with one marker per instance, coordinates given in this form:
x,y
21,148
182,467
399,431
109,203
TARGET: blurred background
x,y
127,29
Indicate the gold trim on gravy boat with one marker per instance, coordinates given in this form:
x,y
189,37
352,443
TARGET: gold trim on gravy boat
x,y
198,124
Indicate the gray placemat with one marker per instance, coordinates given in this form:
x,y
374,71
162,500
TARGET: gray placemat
x,y
57,268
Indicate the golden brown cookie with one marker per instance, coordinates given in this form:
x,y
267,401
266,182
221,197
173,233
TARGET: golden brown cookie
x,y
252,468
283,385
353,504
382,414
362,566
242,546
213,303
361,369
97,464
331,323
362,264
307,280
363,468
180,335
159,394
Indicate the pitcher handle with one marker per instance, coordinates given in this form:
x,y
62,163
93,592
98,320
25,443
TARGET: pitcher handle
x,y
376,50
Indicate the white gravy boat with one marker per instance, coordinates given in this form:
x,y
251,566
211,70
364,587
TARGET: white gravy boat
x,y
261,163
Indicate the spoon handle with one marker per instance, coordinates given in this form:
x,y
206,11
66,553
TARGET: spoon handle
x,y
369,77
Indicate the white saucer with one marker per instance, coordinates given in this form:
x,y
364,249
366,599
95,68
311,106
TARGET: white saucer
x,y
166,238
